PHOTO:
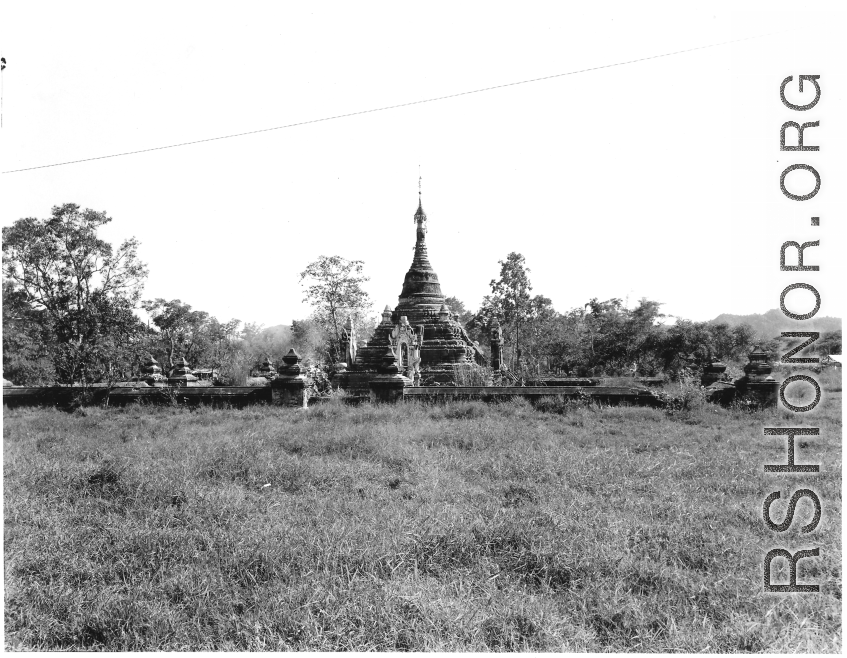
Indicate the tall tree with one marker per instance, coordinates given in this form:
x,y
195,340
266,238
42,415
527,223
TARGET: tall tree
x,y
510,295
731,343
222,342
335,291
26,341
82,289
199,337
181,329
541,334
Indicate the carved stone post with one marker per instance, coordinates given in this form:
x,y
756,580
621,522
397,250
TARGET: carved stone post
x,y
389,384
348,346
416,355
289,387
496,346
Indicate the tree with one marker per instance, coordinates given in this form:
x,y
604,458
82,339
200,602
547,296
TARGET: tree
x,y
731,343
180,328
78,289
258,342
26,357
195,335
684,342
569,349
510,295
335,292
456,305
222,342
829,343
540,336
308,338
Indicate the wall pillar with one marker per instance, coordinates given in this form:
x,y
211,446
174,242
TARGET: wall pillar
x,y
389,385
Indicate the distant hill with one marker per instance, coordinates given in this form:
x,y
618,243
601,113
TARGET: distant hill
x,y
769,325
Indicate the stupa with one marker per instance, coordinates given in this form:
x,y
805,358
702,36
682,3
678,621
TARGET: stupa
x,y
429,344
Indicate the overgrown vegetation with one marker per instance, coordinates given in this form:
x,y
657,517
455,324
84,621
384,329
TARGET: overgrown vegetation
x,y
69,303
68,298
455,527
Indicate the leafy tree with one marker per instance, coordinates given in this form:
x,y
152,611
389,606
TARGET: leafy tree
x,y
222,342
195,335
731,343
335,292
604,322
260,342
619,340
603,337
308,338
643,336
569,343
829,343
456,305
686,342
26,356
482,319
540,333
114,335
510,300
180,328
78,289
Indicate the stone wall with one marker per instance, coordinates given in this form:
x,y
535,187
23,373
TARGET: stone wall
x,y
74,396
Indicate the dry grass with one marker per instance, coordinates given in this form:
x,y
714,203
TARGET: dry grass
x,y
459,527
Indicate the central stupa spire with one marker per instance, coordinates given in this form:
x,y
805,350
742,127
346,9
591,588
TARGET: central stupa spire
x,y
421,287
420,259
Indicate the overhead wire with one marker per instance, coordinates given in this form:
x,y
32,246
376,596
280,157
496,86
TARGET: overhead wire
x,y
387,107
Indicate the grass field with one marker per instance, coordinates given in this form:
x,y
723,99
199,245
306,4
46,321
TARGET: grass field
x,y
458,527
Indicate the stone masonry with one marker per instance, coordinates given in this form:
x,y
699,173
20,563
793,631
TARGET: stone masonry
x,y
428,342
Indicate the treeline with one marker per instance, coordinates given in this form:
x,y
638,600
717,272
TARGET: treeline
x,y
606,338
601,338
70,302
69,312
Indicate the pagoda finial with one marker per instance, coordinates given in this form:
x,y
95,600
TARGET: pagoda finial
x,y
420,212
420,218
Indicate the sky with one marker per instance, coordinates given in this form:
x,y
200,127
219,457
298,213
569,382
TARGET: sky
x,y
656,178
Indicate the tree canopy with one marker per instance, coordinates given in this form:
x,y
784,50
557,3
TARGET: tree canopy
x,y
510,300
335,291
76,288
69,301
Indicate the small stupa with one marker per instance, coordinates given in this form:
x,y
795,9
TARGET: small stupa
x,y
181,374
266,369
151,372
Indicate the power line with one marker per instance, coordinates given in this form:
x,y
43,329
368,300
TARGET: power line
x,y
388,107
